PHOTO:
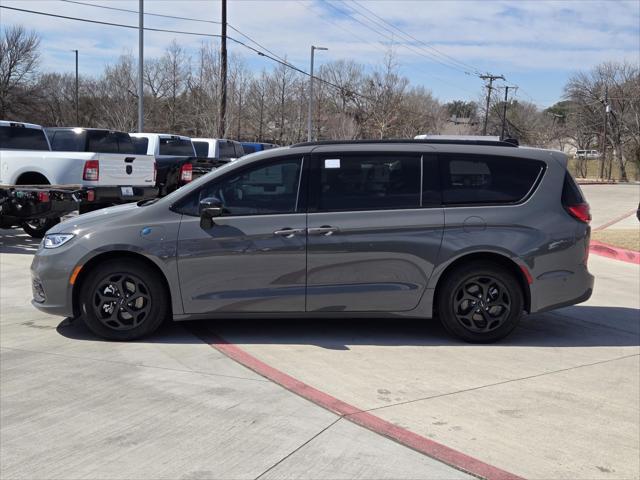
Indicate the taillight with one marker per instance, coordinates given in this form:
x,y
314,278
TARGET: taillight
x,y
155,172
186,172
43,197
580,212
91,171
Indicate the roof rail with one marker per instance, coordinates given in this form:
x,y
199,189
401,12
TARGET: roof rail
x,y
487,143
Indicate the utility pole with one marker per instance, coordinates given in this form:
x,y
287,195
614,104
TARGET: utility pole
x,y
604,130
491,79
223,73
504,111
310,113
140,66
77,104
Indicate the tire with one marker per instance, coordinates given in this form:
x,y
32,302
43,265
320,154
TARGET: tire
x,y
102,305
38,227
485,319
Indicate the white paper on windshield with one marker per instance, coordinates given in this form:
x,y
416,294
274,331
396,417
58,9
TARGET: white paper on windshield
x,y
332,163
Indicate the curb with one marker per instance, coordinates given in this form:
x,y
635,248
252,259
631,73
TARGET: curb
x,y
615,253
426,446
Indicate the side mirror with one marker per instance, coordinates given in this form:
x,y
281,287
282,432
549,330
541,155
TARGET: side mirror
x,y
209,208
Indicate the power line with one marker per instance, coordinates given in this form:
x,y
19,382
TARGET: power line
x,y
259,52
411,37
190,19
373,28
369,27
135,11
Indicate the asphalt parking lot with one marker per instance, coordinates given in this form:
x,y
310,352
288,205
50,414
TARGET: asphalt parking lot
x,y
560,398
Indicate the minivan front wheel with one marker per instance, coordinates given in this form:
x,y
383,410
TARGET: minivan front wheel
x,y
123,300
480,302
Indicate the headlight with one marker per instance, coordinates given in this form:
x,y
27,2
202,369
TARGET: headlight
x,y
55,240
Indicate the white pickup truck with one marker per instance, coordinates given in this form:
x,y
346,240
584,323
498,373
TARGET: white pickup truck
x,y
26,159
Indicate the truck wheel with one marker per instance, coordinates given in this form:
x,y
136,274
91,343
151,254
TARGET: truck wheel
x,y
480,302
123,300
39,226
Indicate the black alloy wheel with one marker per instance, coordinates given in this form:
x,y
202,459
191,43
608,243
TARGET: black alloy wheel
x,y
123,299
480,302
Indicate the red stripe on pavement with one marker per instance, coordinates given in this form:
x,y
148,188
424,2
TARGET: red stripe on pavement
x,y
609,251
615,220
367,420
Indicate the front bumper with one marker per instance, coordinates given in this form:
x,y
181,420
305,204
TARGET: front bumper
x,y
50,274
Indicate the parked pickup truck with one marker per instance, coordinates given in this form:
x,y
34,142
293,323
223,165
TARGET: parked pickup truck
x,y
218,148
114,177
176,159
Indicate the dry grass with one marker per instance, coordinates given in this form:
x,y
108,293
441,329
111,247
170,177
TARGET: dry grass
x,y
623,238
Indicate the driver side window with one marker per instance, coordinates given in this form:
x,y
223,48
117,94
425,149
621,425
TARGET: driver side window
x,y
267,189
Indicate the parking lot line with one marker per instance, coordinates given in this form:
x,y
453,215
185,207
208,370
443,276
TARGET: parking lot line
x,y
349,412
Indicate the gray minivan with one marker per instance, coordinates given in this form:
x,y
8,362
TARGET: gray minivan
x,y
473,232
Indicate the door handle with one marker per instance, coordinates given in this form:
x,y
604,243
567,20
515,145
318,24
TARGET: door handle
x,y
288,232
325,230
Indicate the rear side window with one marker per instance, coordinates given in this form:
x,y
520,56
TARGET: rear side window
x,y
375,181
571,193
176,146
20,138
68,141
483,179
202,148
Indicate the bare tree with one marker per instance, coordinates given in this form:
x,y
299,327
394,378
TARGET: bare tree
x,y
18,64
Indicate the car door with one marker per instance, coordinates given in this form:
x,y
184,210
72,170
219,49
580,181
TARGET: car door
x,y
253,258
374,230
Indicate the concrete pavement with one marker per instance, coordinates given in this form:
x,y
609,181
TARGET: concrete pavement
x,y
170,407
610,202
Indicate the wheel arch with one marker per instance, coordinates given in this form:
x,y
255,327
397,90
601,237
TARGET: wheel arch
x,y
497,258
96,260
32,178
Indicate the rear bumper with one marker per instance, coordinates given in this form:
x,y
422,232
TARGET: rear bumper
x,y
117,195
558,289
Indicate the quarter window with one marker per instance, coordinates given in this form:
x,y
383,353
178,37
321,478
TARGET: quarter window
x,y
375,181
266,189
480,179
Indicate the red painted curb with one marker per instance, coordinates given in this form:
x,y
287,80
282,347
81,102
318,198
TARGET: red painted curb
x,y
616,253
367,420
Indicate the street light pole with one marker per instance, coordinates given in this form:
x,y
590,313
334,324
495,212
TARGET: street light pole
x,y
77,107
140,66
310,113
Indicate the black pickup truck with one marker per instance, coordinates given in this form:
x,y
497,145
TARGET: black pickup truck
x,y
176,160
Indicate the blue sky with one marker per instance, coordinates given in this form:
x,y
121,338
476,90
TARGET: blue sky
x,y
536,45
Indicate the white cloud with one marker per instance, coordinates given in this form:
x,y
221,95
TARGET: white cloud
x,y
512,36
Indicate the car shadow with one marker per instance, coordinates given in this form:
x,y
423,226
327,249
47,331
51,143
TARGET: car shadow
x,y
578,326
16,241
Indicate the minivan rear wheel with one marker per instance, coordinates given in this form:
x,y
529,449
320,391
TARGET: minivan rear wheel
x,y
123,300
480,302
